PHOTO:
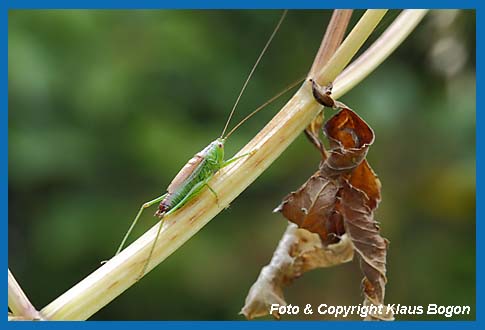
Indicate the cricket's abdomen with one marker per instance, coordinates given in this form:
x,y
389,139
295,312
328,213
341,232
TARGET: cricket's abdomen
x,y
162,208
192,173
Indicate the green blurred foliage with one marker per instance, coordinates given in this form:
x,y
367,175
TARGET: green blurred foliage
x,y
106,106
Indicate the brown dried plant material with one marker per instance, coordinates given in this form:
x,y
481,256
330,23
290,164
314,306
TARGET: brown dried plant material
x,y
349,137
371,247
341,198
334,35
299,251
312,207
315,206
312,132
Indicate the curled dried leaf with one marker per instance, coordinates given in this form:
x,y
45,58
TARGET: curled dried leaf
x,y
363,230
299,251
341,198
349,137
366,181
312,132
312,207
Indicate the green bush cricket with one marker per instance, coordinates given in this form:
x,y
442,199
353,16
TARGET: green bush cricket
x,y
199,170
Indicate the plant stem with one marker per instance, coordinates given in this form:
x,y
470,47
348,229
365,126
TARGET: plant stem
x,y
18,302
119,273
350,46
394,35
332,39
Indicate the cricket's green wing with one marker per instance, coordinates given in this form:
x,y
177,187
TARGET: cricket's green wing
x,y
186,173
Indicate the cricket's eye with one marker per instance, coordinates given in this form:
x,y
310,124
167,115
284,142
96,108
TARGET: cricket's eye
x,y
220,145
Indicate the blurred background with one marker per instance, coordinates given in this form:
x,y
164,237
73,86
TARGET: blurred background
x,y
106,106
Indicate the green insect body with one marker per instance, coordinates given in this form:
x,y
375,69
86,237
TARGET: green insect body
x,y
198,171
193,177
187,184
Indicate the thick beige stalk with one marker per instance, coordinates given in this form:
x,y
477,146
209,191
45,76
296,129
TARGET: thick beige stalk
x,y
349,47
18,302
394,35
119,273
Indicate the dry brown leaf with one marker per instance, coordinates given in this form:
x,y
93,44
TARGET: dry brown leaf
x,y
298,252
337,203
313,132
312,207
345,191
349,137
363,231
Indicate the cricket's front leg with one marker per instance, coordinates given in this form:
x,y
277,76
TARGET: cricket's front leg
x,y
214,193
233,159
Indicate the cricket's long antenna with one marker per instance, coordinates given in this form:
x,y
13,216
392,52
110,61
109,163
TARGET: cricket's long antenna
x,y
264,105
254,68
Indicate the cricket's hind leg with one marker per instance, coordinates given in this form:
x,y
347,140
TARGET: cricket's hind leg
x,y
192,193
160,226
142,208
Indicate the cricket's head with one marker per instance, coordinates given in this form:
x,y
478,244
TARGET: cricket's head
x,y
218,149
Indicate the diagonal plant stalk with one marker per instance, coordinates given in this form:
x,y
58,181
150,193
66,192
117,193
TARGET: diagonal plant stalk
x,y
18,302
119,273
390,39
331,39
